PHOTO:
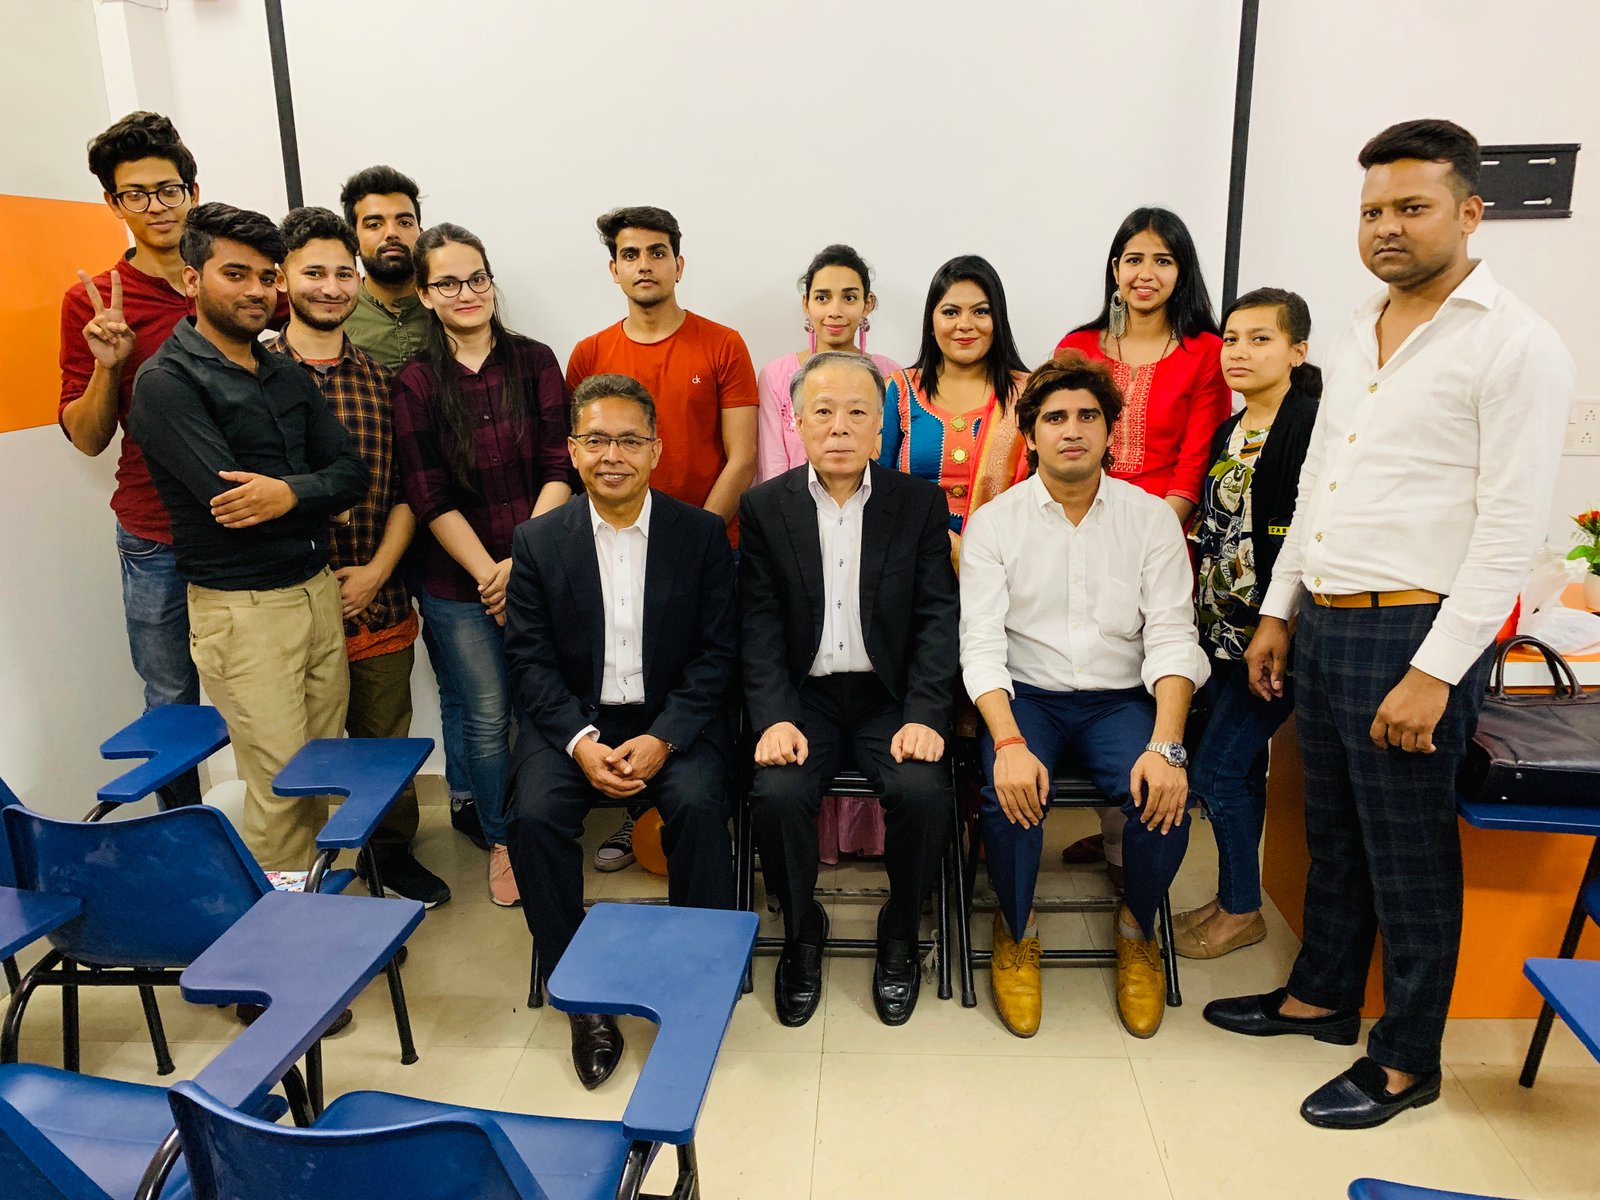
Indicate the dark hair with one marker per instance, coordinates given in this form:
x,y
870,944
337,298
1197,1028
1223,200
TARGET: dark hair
x,y
209,222
1069,371
823,358
1189,311
1430,140
638,216
607,387
1294,319
1003,357
139,135
837,255
439,355
307,224
377,181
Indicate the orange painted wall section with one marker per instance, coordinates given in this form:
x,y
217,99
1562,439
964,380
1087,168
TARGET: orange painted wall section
x,y
43,243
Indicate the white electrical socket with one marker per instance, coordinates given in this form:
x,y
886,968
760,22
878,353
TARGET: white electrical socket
x,y
1583,429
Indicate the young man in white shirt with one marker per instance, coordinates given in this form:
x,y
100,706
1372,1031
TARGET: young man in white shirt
x,y
1078,644
1426,490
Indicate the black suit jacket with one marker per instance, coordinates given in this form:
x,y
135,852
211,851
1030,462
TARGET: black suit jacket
x,y
909,608
555,635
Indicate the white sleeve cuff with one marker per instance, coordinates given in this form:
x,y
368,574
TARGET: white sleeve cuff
x,y
586,731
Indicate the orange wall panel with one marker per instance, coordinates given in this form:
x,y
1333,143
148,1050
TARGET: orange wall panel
x,y
43,243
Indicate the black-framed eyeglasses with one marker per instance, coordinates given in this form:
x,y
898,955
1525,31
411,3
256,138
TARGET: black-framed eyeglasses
x,y
138,199
629,443
450,288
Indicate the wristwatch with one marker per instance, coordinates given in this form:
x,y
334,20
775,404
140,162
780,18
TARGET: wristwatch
x,y
1173,752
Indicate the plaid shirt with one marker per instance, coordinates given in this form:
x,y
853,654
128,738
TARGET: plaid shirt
x,y
357,391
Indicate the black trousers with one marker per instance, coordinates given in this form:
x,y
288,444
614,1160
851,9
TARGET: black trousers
x,y
1381,829
551,796
851,719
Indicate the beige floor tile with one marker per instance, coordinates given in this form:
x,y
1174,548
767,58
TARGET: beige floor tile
x,y
892,1126
105,1014
95,1057
1231,1132
755,1020
472,1075
1504,1043
1552,1129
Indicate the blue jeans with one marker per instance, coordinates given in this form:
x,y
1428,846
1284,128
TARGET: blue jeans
x,y
471,649
155,606
1229,777
450,712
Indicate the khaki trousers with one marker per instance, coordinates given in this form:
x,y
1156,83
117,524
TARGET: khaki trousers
x,y
380,707
274,664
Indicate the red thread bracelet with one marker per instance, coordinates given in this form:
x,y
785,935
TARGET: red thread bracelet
x,y
1019,740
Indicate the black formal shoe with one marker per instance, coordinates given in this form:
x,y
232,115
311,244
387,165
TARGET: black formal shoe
x,y
596,1047
896,978
797,983
1360,1098
1258,1016
404,877
464,820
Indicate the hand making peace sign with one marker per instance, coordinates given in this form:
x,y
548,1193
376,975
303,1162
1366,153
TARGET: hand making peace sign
x,y
109,337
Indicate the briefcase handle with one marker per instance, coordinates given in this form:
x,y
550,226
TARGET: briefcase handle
x,y
1562,676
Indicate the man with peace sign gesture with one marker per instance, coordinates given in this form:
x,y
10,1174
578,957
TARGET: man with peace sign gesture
x,y
110,324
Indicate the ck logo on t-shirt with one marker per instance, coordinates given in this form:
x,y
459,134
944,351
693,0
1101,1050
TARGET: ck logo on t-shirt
x,y
696,379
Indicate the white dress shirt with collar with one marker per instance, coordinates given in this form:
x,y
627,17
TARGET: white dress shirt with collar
x,y
1434,471
1107,603
620,555
843,648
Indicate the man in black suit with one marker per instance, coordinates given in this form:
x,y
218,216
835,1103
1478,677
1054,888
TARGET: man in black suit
x,y
621,645
850,655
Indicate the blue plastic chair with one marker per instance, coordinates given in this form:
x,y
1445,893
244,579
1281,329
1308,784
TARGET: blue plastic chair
x,y
1548,818
82,1138
1572,988
679,967
1382,1189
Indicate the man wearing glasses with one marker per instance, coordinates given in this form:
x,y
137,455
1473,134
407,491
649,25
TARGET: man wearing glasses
x,y
109,326
620,643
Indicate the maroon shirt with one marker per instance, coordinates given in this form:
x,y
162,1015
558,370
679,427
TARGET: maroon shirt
x,y
508,472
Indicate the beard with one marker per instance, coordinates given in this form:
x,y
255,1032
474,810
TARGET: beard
x,y
227,320
319,321
388,271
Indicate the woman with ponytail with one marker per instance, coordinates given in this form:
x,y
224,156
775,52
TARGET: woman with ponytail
x,y
1246,504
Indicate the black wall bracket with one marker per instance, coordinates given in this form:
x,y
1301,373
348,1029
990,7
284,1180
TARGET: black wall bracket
x,y
1520,182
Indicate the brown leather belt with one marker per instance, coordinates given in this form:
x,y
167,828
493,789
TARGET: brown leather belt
x,y
1377,599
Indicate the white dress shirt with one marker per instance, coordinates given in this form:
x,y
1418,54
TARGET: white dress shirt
x,y
843,648
620,555
1434,471
1103,604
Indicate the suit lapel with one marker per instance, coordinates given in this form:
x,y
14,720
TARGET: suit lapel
x,y
583,580
800,515
660,563
877,530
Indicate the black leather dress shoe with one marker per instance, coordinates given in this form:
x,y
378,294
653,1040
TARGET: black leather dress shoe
x,y
1258,1016
797,983
896,979
1360,1099
596,1047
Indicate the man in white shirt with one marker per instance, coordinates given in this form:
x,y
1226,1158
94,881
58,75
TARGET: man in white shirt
x,y
1078,645
1424,494
849,651
621,645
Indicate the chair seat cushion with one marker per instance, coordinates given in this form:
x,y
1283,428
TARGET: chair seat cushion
x,y
571,1159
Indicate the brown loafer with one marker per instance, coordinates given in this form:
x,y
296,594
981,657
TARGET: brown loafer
x,y
1184,920
1191,941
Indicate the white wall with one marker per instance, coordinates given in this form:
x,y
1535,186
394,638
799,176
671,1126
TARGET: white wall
x,y
1329,76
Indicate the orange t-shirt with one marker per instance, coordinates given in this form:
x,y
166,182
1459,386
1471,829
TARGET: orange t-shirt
x,y
692,376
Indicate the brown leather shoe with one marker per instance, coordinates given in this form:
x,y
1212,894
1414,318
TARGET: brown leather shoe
x,y
1191,941
1141,983
1091,849
1014,981
1184,920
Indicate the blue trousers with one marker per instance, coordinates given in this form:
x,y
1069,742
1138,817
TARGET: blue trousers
x,y
1101,733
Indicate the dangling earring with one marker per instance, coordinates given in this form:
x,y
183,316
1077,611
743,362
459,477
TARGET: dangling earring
x,y
1117,323
811,332
865,325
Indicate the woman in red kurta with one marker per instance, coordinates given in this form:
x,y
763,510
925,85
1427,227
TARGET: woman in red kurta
x,y
1159,334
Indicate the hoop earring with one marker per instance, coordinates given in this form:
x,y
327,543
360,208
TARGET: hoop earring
x,y
1117,322
811,332
862,339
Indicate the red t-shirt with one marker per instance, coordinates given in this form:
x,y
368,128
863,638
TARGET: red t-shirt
x,y
1170,411
152,310
692,376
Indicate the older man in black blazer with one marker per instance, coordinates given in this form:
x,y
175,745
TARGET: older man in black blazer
x,y
621,646
850,656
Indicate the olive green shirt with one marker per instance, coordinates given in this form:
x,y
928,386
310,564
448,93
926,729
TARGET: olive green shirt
x,y
387,336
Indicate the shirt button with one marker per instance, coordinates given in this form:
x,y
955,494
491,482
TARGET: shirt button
x,y
1334,486
1372,387
1351,438
959,490
958,424
959,455
1319,537
1316,583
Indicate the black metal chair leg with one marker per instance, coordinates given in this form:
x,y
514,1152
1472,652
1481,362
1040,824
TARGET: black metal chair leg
x,y
1169,952
13,976
314,1078
71,1039
158,1032
944,928
1569,947
688,1184
402,1014
535,985
294,1089
963,915
11,1033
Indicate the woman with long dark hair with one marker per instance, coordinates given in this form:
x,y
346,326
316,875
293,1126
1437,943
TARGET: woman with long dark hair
x,y
480,432
949,417
1246,504
1157,332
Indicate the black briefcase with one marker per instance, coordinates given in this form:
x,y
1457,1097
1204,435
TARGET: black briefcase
x,y
1541,748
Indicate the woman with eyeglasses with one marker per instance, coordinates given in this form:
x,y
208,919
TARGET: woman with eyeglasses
x,y
481,435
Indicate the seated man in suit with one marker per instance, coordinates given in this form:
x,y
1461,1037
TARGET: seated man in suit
x,y
849,648
621,644
1078,644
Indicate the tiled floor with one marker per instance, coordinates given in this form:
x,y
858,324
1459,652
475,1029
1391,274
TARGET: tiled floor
x,y
949,1105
